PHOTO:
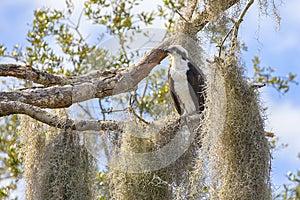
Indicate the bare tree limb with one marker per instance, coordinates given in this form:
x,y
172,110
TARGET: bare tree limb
x,y
94,85
257,86
220,46
48,79
182,17
12,107
237,25
269,134
29,73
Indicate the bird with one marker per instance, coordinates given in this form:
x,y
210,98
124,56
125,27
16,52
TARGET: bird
x,y
186,82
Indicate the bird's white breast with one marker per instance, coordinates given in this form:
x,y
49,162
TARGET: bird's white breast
x,y
178,73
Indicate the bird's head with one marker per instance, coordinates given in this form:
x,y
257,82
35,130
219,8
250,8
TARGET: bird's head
x,y
177,50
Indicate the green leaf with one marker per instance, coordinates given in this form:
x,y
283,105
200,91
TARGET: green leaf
x,y
2,49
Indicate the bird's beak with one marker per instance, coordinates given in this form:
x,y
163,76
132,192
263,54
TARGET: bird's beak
x,y
167,51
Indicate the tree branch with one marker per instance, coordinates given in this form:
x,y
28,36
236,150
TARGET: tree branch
x,y
12,107
237,25
29,73
210,12
82,88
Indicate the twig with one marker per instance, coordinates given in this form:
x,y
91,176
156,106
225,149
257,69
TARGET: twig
x,y
131,110
86,111
176,10
110,110
223,41
257,86
101,107
237,26
269,134
76,26
144,93
13,107
79,19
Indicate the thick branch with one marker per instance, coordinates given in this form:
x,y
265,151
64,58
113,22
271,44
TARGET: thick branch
x,y
12,107
47,79
29,73
94,85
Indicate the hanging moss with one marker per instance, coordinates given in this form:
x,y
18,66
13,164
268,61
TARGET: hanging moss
x,y
235,156
161,175
57,165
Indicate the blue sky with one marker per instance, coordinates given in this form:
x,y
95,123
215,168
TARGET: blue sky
x,y
279,49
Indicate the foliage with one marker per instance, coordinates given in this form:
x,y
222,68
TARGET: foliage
x,y
292,190
265,75
10,167
101,185
151,103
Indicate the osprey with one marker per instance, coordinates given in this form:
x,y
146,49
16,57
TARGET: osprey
x,y
186,82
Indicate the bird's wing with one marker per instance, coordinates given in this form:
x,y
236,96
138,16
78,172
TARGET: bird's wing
x,y
197,86
174,96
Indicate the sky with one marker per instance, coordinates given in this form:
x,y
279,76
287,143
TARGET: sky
x,y
278,48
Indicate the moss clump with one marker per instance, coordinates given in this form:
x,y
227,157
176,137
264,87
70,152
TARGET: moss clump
x,y
157,175
57,165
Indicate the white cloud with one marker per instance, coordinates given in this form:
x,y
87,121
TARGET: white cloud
x,y
52,3
265,29
284,121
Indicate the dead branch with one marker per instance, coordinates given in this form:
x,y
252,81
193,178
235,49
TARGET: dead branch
x,y
269,134
237,25
182,17
13,107
29,73
257,86
94,85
